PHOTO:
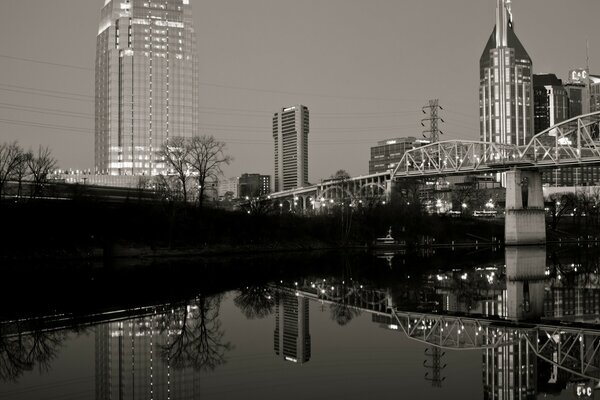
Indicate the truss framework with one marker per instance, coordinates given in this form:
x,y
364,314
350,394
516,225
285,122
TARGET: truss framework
x,y
572,142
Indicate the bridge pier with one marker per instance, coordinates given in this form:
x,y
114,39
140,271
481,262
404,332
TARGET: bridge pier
x,y
525,282
525,221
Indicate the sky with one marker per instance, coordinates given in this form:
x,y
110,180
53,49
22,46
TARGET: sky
x,y
363,68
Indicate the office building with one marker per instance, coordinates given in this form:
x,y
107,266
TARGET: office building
x,y
254,185
583,92
290,136
505,91
292,336
130,361
386,155
228,188
550,102
146,83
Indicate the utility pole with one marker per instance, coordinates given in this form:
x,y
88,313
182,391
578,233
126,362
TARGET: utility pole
x,y
434,119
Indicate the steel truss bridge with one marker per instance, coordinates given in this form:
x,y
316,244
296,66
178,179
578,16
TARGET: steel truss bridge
x,y
574,142
572,348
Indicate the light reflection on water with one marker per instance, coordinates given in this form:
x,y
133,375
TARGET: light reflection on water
x,y
523,329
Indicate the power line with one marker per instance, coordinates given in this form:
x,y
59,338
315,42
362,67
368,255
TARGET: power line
x,y
46,62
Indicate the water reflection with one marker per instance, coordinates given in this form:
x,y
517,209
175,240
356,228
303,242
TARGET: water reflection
x,y
531,321
158,356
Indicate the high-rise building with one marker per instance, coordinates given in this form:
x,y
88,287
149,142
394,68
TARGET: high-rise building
x,y
292,336
388,153
290,136
253,185
550,102
583,91
146,83
578,90
505,91
131,362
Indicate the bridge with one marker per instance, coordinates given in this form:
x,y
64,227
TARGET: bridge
x,y
572,348
573,142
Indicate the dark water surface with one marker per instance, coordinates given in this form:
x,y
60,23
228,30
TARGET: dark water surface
x,y
519,324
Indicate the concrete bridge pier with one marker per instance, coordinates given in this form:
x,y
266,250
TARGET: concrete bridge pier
x,y
525,221
525,282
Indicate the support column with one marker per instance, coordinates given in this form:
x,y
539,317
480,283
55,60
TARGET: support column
x,y
389,188
525,221
525,282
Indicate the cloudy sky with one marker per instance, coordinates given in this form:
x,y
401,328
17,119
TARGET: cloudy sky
x,y
363,67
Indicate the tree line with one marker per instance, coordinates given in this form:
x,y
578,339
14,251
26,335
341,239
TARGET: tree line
x,y
19,165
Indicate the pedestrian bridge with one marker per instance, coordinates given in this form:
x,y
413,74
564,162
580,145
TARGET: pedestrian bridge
x,y
574,142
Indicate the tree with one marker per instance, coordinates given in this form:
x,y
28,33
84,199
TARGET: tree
x,y
255,302
10,158
176,154
40,165
199,342
207,157
562,203
341,175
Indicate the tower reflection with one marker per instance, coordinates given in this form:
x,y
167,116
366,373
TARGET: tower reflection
x,y
291,336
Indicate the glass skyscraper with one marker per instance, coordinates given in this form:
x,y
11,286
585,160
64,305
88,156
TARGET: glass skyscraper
x,y
290,135
146,83
505,91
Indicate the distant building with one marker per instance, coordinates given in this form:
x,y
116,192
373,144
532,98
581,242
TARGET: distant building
x,y
578,91
505,91
550,102
254,185
388,153
292,336
228,188
146,83
290,136
583,92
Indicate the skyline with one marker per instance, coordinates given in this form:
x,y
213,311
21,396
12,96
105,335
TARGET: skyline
x,y
378,68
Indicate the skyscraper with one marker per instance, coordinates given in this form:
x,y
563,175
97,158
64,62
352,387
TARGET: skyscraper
x,y
505,91
290,134
551,102
146,83
292,337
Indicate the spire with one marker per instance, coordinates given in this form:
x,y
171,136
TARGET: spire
x,y
503,22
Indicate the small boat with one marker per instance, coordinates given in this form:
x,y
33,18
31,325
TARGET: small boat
x,y
388,241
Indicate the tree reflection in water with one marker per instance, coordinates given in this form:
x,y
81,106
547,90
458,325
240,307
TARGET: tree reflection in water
x,y
255,302
198,338
22,352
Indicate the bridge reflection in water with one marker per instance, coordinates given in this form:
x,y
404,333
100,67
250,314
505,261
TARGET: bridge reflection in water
x,y
532,336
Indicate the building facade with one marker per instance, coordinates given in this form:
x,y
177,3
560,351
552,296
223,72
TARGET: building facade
x,y
146,83
228,188
551,102
388,153
583,93
254,185
506,90
290,136
292,336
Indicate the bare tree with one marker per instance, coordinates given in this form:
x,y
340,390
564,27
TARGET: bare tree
x,y
40,165
207,157
255,302
176,153
562,203
200,340
21,171
10,156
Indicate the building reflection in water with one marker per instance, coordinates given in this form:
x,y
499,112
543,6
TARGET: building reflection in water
x,y
292,336
160,356
129,362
